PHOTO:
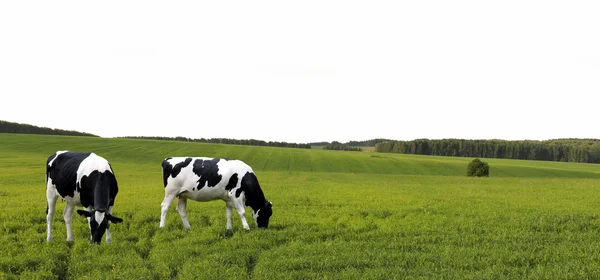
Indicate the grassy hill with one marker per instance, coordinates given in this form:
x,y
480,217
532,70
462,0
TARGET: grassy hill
x,y
337,215
150,153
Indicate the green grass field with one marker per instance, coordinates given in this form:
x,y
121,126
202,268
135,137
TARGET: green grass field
x,y
337,215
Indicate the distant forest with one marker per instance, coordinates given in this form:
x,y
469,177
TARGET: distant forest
x,y
567,150
250,142
337,146
11,127
349,146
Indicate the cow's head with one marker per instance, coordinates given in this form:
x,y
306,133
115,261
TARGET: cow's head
x,y
98,222
262,215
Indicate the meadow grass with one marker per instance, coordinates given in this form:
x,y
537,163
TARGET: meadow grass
x,y
337,215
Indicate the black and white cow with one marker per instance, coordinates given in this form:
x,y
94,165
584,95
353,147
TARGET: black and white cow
x,y
206,179
82,179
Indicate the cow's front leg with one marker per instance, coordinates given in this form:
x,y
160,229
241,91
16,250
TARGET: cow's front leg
x,y
165,208
51,196
229,213
68,216
239,206
181,208
89,219
108,236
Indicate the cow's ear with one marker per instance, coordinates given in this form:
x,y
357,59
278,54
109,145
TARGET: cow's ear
x,y
84,213
114,219
269,205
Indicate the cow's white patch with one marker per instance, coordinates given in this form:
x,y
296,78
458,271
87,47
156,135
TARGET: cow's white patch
x,y
100,217
57,153
90,164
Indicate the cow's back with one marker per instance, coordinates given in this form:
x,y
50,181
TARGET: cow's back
x,y
62,171
76,175
203,178
97,183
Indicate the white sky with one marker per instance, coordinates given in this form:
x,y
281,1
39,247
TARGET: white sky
x,y
304,71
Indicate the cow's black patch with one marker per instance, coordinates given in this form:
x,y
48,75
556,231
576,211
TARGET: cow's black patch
x,y
232,182
254,194
99,190
173,171
63,171
208,171
50,158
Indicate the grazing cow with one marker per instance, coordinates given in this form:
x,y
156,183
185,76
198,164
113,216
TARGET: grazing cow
x,y
206,179
82,179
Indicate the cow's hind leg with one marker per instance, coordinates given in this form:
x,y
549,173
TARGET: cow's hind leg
x,y
181,208
68,216
51,197
165,208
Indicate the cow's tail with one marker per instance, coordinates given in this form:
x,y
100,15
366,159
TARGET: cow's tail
x,y
166,170
48,170
47,173
46,187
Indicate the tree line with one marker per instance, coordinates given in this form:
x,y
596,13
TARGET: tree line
x,y
335,145
567,150
365,143
11,127
249,142
350,145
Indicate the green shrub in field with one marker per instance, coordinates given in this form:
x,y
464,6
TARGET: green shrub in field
x,y
478,168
